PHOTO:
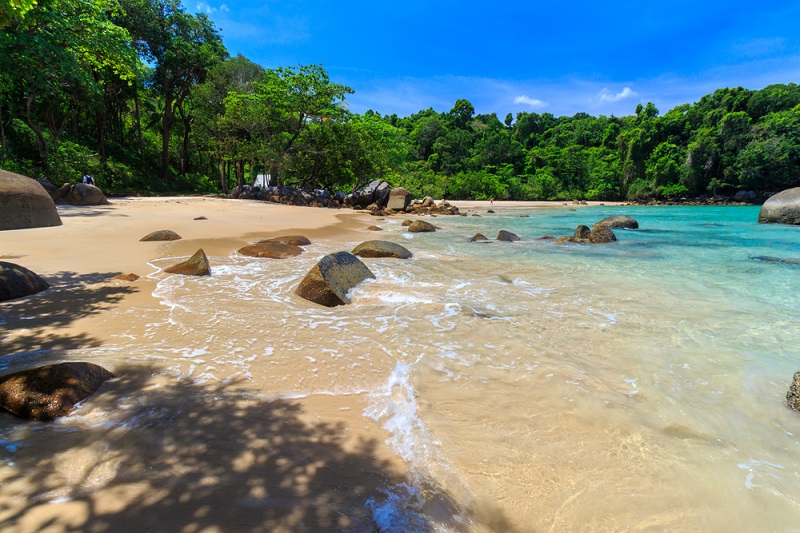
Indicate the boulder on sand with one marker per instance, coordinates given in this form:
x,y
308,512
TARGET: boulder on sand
x,y
420,226
197,265
620,221
51,391
330,279
24,203
294,240
399,199
84,194
381,249
782,208
272,250
161,235
17,281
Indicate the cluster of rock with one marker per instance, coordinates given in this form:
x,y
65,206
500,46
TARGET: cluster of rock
x,y
289,196
83,194
741,197
601,232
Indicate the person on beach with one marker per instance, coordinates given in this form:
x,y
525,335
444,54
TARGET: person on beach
x,y
88,179
491,201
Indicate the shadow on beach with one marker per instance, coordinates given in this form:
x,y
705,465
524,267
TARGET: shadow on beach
x,y
148,456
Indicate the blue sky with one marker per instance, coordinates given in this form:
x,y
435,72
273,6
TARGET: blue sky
x,y
602,58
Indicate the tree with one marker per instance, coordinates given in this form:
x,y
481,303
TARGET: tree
x,y
14,9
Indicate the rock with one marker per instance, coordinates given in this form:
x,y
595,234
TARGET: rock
x,y
399,199
582,233
84,194
293,240
406,223
51,391
524,216
563,240
601,234
782,260
330,279
793,396
25,204
507,236
197,265
375,228
782,208
126,277
17,281
51,189
161,235
427,202
200,218
381,249
620,221
490,210
478,237
546,237
420,226
372,193
272,250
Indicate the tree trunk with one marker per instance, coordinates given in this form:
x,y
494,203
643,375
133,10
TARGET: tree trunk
x,y
222,180
166,134
239,172
137,117
40,140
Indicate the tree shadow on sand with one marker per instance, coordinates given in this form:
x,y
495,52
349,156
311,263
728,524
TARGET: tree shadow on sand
x,y
142,456
28,323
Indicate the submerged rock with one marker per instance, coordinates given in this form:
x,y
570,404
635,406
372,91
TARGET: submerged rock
x,y
24,203
17,281
782,208
197,265
793,396
161,235
620,221
782,260
330,279
293,240
381,249
51,391
420,226
507,236
271,250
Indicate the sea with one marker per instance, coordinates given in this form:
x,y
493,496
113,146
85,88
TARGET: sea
x,y
527,386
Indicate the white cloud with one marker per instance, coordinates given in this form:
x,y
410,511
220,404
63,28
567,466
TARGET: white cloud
x,y
527,100
205,7
224,8
606,96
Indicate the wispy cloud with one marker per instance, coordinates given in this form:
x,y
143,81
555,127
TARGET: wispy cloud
x,y
607,96
527,100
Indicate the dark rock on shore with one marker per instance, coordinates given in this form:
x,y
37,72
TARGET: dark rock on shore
x,y
381,249
51,391
24,203
17,281
288,196
507,236
161,235
84,194
330,279
783,208
793,396
479,237
620,221
420,226
126,277
399,199
271,250
293,240
197,265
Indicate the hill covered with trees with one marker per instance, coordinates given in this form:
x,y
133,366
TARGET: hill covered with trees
x,y
145,97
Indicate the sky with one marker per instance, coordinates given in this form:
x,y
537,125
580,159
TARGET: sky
x,y
600,58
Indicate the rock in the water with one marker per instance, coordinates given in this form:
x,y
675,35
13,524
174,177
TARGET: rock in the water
x,y
161,235
601,234
293,240
420,226
381,249
17,281
399,199
783,260
564,240
783,208
793,396
507,236
582,233
375,228
546,237
84,194
51,391
197,265
272,250
24,203
330,279
620,221
479,237
406,223
126,277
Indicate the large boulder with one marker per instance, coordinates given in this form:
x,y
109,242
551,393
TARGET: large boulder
x,y
51,391
601,234
51,189
272,250
381,249
420,226
376,192
399,199
85,194
782,208
293,240
330,279
24,203
161,235
620,221
197,265
582,233
17,281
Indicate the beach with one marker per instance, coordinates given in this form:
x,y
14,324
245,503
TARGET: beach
x,y
479,386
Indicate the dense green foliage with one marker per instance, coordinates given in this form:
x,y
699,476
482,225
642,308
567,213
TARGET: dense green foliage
x,y
145,97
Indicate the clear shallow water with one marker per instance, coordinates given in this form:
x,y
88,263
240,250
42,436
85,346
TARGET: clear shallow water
x,y
528,386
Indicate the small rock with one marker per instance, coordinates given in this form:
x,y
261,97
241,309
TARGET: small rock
x,y
126,277
793,396
161,235
546,237
507,236
381,249
420,226
478,237
201,218
197,265
294,240
406,222
375,228
329,281
272,250
17,281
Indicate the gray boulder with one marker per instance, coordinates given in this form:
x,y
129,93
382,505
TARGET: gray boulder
x,y
24,203
17,281
51,391
84,194
507,236
161,235
51,189
381,249
620,221
330,279
399,199
782,208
